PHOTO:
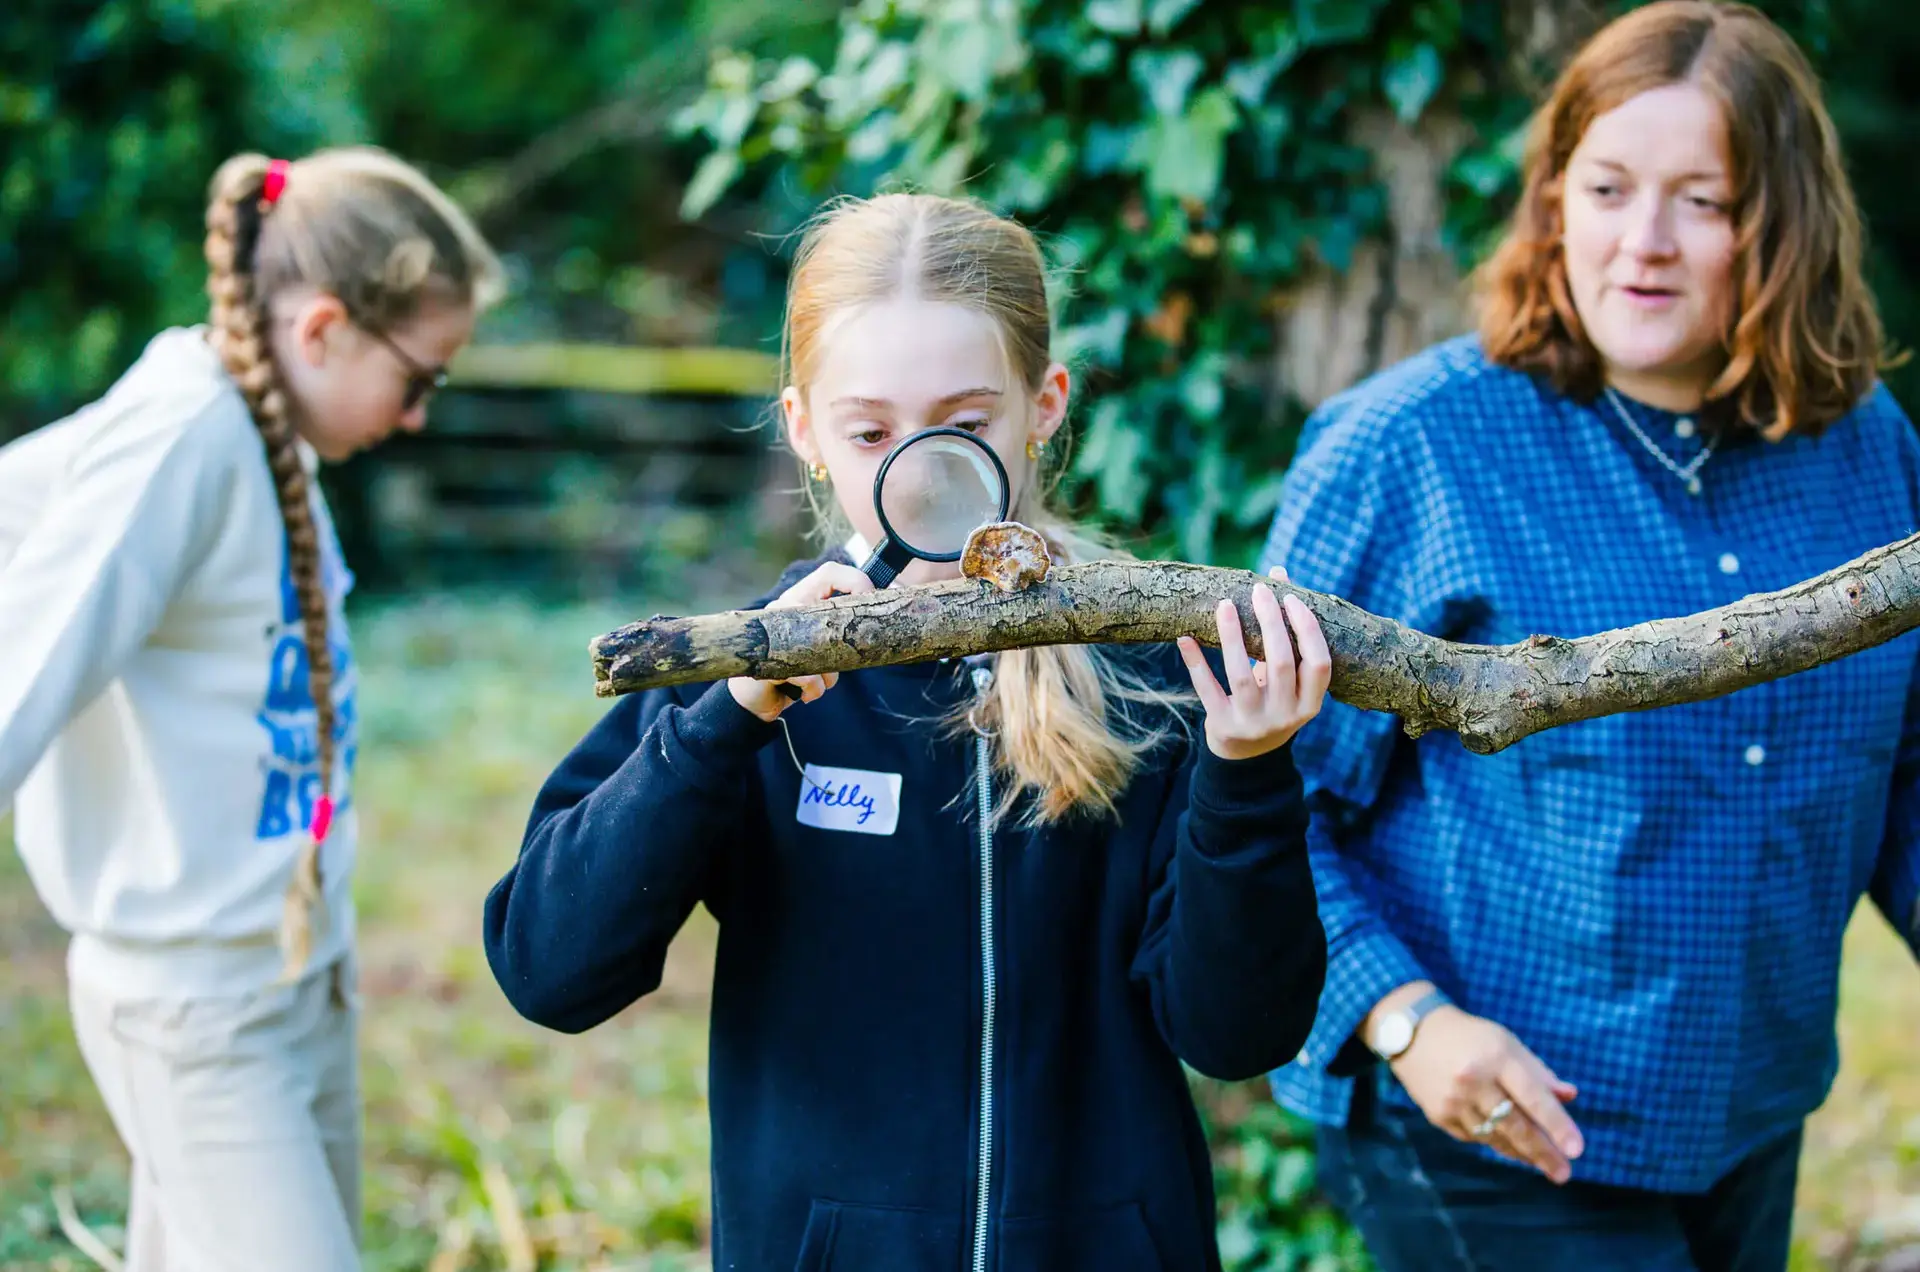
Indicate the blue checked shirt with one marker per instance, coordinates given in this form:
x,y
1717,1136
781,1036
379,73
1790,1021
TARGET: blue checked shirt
x,y
1653,902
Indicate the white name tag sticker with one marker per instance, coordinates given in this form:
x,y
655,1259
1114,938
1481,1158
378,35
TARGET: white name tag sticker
x,y
856,800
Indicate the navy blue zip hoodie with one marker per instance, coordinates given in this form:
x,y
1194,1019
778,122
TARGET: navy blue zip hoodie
x,y
911,1035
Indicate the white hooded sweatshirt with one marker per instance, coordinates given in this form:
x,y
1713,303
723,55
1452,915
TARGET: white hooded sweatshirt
x,y
157,733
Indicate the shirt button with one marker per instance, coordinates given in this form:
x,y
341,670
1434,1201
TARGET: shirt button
x,y
1683,427
1729,563
1756,755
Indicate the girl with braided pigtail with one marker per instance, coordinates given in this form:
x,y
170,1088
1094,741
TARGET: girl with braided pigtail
x,y
177,697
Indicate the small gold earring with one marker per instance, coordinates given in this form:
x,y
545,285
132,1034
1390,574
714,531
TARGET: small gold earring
x,y
817,471
1035,449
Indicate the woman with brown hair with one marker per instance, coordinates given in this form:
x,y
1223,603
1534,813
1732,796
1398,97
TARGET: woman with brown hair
x,y
1581,994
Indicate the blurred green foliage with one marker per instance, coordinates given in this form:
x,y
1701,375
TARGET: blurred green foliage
x,y
1189,162
1270,1217
545,117
112,118
1184,162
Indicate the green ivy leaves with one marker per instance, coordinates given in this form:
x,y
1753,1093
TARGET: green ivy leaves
x,y
1187,163
1411,79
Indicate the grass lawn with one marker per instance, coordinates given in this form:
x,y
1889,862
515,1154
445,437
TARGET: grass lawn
x,y
492,1144
487,1139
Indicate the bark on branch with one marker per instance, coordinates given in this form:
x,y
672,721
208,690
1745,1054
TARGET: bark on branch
x,y
1492,696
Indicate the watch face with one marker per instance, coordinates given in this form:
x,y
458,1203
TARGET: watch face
x,y
1395,1032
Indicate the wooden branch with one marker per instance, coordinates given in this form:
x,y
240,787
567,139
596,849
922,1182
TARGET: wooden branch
x,y
1492,696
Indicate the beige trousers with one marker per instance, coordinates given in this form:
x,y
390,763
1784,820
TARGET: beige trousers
x,y
242,1115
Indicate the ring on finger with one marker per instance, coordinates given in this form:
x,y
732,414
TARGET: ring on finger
x,y
1493,1119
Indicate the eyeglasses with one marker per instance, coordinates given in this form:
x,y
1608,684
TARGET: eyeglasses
x,y
422,380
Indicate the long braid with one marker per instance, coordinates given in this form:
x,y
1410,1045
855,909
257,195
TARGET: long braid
x,y
239,329
366,229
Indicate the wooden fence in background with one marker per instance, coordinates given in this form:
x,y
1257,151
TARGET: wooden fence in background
x,y
572,468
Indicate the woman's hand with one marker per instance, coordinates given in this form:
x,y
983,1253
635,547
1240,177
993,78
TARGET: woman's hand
x,y
1463,1070
768,698
1265,703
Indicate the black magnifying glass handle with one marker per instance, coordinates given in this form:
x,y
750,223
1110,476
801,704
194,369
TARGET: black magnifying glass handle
x,y
879,571
886,562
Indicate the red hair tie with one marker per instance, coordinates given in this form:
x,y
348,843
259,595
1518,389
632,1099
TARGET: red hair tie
x,y
276,181
322,819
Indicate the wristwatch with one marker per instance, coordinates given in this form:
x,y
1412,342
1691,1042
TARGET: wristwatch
x,y
1392,1033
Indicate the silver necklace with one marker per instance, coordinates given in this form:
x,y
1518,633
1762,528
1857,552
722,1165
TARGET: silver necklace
x,y
1689,474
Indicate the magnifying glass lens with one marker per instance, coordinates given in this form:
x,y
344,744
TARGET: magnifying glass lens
x,y
936,492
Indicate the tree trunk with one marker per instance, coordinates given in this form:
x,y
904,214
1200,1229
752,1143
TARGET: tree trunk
x,y
1405,291
1401,292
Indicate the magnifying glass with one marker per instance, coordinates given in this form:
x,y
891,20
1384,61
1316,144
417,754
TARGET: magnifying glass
x,y
933,490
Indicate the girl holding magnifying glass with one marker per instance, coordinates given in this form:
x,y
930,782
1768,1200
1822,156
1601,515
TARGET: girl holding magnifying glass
x,y
974,914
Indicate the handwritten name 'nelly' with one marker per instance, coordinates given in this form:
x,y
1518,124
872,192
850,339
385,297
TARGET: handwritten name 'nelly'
x,y
846,795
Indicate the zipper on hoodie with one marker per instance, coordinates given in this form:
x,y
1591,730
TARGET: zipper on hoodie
x,y
983,780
